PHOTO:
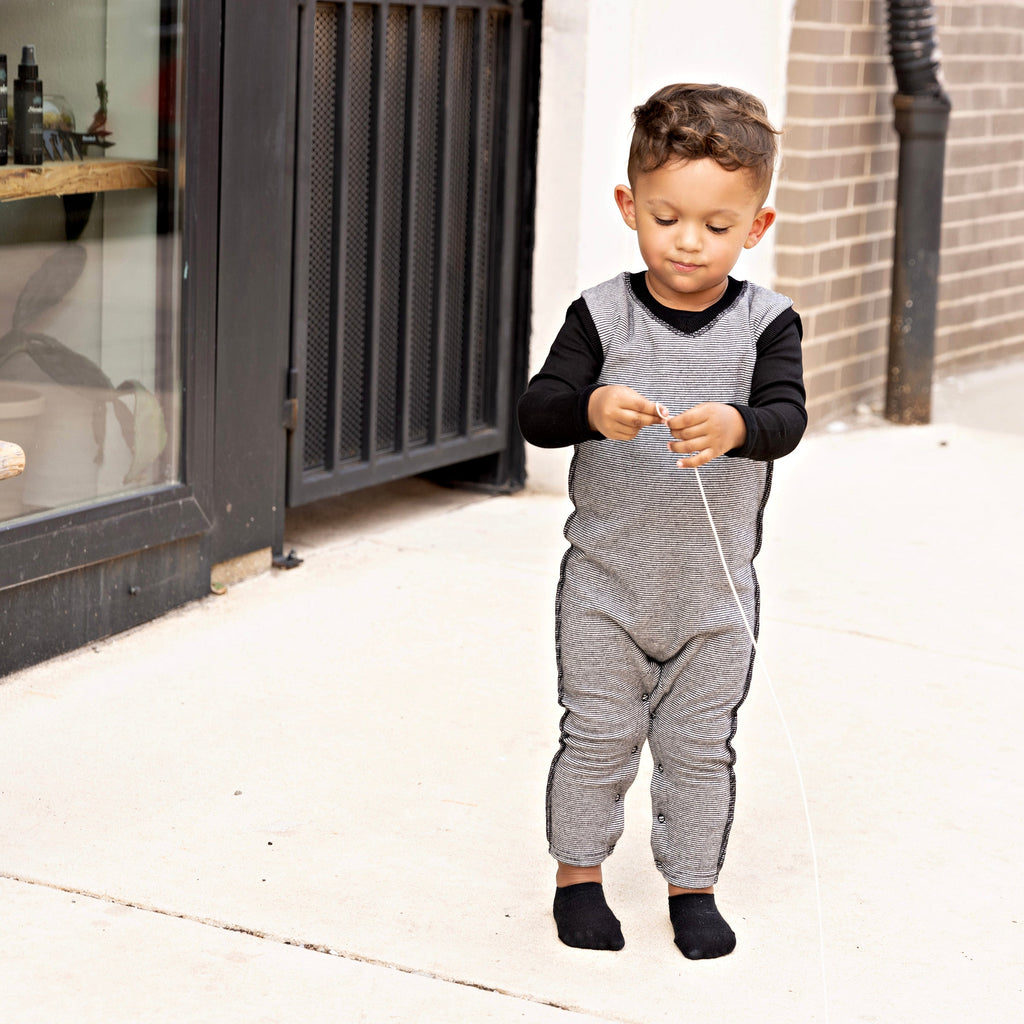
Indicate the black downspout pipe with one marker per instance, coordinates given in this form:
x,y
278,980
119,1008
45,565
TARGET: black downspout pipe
x,y
922,119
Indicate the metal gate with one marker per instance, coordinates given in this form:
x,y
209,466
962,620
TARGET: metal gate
x,y
407,239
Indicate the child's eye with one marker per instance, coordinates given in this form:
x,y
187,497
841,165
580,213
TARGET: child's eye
x,y
664,221
717,231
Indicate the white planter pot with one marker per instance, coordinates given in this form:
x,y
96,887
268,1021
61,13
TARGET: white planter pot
x,y
20,409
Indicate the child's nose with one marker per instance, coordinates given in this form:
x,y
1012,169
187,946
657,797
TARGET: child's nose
x,y
688,238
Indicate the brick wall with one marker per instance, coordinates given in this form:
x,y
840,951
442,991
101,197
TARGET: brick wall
x,y
837,186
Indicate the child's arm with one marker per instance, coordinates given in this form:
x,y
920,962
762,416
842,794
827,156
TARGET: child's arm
x,y
775,418
553,410
564,405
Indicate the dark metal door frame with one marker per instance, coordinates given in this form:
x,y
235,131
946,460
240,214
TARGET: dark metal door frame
x,y
410,230
79,574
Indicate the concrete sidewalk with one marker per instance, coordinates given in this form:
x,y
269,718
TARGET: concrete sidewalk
x,y
319,797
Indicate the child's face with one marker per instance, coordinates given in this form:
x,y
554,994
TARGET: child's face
x,y
693,218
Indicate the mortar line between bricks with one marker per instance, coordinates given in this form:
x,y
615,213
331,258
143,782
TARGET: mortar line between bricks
x,y
313,947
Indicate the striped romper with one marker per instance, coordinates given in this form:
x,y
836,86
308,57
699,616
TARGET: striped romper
x,y
650,644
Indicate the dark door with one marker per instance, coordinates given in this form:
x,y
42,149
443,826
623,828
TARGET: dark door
x,y
414,141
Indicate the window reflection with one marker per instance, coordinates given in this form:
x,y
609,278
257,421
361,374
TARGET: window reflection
x,y
89,255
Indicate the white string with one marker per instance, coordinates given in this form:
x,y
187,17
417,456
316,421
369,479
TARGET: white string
x,y
785,728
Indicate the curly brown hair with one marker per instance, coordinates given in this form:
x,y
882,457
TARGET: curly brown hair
x,y
693,122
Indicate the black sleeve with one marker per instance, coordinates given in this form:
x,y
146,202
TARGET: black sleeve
x,y
553,409
776,416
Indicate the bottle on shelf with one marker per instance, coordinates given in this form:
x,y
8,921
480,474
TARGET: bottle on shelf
x,y
28,110
3,109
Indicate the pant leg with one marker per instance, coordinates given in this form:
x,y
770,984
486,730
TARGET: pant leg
x,y
693,787
605,686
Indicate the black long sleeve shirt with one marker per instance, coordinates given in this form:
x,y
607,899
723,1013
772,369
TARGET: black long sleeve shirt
x,y
553,409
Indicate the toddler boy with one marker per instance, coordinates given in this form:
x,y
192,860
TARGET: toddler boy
x,y
654,372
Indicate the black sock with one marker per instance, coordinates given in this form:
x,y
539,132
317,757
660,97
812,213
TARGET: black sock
x,y
584,919
701,931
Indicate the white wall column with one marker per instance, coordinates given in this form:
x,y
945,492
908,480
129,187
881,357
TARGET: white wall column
x,y
599,59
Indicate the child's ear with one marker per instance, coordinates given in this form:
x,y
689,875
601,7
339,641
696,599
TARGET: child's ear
x,y
762,222
626,204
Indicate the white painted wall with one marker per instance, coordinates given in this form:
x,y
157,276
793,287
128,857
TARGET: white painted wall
x,y
599,59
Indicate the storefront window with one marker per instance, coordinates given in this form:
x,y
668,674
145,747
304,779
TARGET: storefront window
x,y
90,263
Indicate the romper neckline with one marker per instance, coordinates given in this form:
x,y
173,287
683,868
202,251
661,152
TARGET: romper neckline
x,y
684,320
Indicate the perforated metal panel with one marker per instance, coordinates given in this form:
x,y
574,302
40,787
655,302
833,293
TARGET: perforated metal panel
x,y
318,368
406,225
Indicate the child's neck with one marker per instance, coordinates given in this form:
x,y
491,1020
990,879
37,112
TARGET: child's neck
x,y
697,306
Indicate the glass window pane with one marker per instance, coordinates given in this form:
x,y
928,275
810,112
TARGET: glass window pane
x,y
90,368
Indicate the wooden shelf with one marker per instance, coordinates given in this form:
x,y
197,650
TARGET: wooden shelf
x,y
61,178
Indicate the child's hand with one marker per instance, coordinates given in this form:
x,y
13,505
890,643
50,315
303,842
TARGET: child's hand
x,y
707,430
619,412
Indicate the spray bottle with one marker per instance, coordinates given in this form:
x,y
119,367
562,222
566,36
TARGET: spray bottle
x,y
28,110
3,109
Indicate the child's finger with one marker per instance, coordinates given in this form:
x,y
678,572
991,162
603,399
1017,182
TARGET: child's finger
x,y
634,420
696,459
694,444
692,433
647,409
623,424
695,416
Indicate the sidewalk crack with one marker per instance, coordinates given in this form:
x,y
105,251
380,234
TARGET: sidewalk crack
x,y
313,947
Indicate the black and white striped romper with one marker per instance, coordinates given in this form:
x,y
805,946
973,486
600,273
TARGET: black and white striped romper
x,y
650,644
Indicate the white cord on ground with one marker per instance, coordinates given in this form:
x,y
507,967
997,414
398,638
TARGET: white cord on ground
x,y
785,728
